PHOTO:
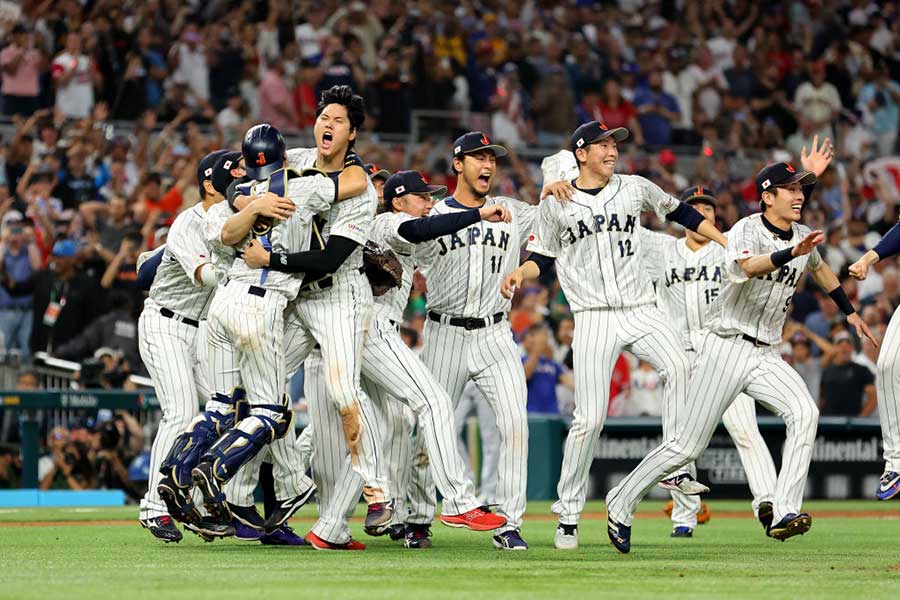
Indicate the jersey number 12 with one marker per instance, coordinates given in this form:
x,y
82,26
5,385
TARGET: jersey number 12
x,y
625,248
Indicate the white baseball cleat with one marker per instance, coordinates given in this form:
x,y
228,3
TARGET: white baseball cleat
x,y
684,483
566,537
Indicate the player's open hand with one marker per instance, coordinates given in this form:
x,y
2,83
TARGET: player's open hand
x,y
255,255
561,190
274,206
495,213
861,328
806,245
819,157
511,283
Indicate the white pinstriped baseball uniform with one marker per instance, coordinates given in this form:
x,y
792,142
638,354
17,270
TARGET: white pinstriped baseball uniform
x,y
596,240
464,271
727,365
289,470
687,282
336,316
169,346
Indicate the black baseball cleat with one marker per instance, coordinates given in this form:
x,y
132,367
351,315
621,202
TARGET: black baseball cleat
x,y
397,531
285,509
619,535
765,513
247,516
209,529
417,536
213,495
162,528
178,501
792,524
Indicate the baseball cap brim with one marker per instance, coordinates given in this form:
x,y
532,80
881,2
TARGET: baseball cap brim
x,y
263,172
436,190
803,178
618,133
702,199
382,173
497,149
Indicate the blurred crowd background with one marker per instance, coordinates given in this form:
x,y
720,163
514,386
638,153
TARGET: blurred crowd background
x,y
107,106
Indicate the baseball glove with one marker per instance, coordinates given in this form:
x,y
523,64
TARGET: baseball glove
x,y
382,267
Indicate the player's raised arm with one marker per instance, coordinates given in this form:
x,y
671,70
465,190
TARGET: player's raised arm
x,y
887,247
657,200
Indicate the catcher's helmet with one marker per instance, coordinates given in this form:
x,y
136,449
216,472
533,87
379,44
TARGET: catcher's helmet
x,y
263,150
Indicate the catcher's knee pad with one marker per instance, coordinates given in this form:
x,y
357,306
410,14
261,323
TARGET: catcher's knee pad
x,y
191,445
240,444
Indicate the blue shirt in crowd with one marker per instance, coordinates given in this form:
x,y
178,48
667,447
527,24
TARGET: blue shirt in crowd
x,y
542,386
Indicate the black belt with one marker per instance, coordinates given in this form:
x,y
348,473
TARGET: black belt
x,y
467,323
325,282
171,315
754,341
251,289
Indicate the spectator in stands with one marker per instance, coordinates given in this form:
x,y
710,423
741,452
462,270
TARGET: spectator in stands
x,y
19,260
75,74
543,373
818,101
392,93
10,467
657,111
116,443
189,64
21,64
154,65
613,109
276,103
68,466
879,98
77,185
115,330
848,388
742,81
702,86
819,322
646,395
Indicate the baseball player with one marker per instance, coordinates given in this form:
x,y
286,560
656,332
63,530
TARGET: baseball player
x,y
246,318
467,336
887,381
169,325
766,255
391,371
596,240
688,274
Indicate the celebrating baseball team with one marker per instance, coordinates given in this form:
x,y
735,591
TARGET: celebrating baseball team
x,y
304,258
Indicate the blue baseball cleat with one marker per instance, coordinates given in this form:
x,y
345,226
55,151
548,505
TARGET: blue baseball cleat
x,y
682,532
889,485
283,536
510,540
619,535
792,524
245,533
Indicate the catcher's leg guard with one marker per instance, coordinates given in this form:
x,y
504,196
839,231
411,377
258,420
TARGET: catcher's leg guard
x,y
202,433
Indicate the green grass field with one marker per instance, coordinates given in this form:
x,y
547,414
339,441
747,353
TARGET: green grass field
x,y
843,556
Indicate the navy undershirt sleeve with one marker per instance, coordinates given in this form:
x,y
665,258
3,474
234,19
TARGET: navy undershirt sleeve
x,y
336,251
429,228
147,273
889,245
544,263
686,215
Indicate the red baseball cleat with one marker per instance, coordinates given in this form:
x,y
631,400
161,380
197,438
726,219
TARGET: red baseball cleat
x,y
320,544
476,520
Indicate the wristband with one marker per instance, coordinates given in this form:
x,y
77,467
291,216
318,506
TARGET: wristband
x,y
782,257
843,302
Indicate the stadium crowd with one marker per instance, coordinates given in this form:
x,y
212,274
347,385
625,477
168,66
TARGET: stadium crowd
x,y
108,106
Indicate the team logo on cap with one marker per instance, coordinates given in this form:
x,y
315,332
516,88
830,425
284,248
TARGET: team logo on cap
x,y
399,190
766,184
207,172
604,127
260,159
789,167
457,150
373,169
227,165
484,139
699,191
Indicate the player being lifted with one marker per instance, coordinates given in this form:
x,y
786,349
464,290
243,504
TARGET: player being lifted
x,y
766,255
595,239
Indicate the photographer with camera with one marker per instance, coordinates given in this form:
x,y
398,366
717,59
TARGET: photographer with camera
x,y
115,440
68,466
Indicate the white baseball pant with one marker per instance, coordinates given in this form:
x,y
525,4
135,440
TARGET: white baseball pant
x,y
490,358
600,336
887,385
172,351
725,367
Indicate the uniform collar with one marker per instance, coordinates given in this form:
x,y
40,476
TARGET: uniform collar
x,y
780,234
454,203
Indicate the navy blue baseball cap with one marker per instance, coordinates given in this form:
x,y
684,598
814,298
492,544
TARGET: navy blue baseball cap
x,y
475,141
781,174
221,175
697,194
376,172
205,168
409,182
593,132
263,149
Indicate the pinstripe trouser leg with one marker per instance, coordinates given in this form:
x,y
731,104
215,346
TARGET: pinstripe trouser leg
x,y
740,421
496,367
168,349
776,385
650,338
887,385
596,347
391,365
